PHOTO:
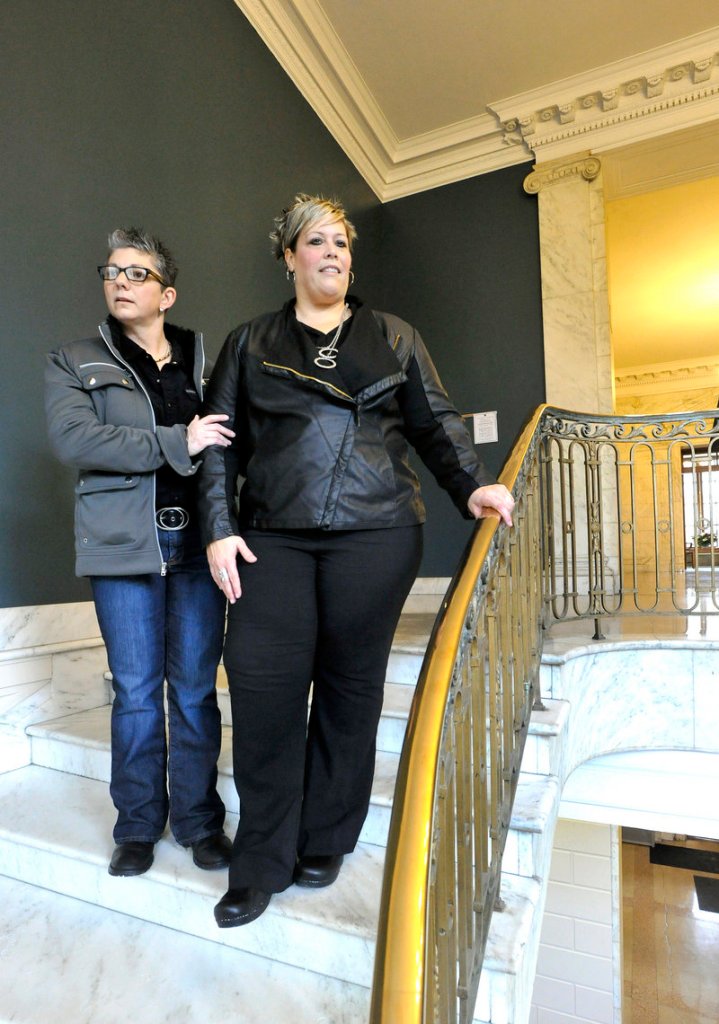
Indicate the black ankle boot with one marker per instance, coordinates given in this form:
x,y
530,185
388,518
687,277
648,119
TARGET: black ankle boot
x,y
318,871
240,906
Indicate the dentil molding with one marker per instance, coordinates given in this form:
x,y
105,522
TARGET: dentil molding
x,y
661,377
657,92
669,88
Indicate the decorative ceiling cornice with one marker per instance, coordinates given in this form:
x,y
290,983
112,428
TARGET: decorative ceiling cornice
x,y
659,91
669,88
662,377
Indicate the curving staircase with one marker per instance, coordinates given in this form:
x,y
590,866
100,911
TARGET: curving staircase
x,y
79,945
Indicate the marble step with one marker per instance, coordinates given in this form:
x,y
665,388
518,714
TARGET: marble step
x,y
55,833
513,933
35,858
542,751
392,724
534,813
80,744
408,648
95,966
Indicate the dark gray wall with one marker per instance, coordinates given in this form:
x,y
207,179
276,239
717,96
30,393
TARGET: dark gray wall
x,y
166,113
462,264
173,115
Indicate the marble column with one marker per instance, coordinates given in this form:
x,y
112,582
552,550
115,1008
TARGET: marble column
x,y
578,363
575,303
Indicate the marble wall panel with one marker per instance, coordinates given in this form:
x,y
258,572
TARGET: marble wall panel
x,y
706,699
570,356
575,300
77,683
679,397
580,897
52,663
565,239
33,625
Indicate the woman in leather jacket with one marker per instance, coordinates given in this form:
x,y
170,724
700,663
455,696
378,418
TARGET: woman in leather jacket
x,y
123,408
324,397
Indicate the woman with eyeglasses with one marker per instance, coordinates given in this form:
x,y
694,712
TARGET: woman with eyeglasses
x,y
325,396
123,408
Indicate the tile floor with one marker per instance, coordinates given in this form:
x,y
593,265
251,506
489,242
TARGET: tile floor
x,y
671,948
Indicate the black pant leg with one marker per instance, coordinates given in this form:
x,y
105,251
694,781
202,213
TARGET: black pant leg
x,y
269,654
363,580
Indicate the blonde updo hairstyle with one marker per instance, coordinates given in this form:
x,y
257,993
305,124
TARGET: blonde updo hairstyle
x,y
304,211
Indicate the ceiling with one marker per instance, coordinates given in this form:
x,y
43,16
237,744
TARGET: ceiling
x,y
423,94
430,65
420,94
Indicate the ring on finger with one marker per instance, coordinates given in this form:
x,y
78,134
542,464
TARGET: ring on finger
x,y
222,575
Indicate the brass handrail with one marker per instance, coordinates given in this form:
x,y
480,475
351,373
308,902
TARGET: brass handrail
x,y
400,984
602,528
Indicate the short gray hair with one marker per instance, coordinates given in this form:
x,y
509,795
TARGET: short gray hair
x,y
136,238
303,211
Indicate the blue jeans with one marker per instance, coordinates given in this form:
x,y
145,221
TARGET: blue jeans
x,y
156,628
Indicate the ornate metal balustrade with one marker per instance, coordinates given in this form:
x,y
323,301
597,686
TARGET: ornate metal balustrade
x,y
613,517
631,515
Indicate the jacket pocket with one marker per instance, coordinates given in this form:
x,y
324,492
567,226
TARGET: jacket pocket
x,y
94,377
104,516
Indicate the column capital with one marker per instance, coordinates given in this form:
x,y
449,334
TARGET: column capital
x,y
556,172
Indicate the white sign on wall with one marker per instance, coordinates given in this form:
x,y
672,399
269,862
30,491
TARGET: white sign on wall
x,y
484,427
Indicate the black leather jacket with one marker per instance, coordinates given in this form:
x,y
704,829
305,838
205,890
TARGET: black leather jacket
x,y
328,449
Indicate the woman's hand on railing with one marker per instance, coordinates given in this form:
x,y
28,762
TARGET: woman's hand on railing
x,y
491,500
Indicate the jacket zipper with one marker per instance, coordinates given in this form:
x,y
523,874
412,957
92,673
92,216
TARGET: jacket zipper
x,y
304,376
113,352
200,388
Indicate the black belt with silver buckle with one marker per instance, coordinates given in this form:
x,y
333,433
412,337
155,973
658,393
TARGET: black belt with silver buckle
x,y
172,518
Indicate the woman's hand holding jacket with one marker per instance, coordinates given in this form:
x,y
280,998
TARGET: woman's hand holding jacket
x,y
208,430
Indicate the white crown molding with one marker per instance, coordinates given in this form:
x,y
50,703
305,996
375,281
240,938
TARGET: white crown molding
x,y
306,46
665,89
658,91
658,378
309,51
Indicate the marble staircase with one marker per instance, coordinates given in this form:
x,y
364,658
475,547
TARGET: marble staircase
x,y
107,949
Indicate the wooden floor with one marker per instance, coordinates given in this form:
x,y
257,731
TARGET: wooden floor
x,y
670,947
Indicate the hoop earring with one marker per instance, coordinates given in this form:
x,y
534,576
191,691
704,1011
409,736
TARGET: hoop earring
x,y
290,274
352,277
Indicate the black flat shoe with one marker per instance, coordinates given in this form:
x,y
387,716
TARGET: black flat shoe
x,y
131,858
240,906
319,871
212,852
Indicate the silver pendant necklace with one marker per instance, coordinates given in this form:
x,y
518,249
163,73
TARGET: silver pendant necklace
x,y
326,357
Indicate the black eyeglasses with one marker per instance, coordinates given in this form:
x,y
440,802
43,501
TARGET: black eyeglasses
x,y
109,272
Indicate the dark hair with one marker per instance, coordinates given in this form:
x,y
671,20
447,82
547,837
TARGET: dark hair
x,y
306,209
136,238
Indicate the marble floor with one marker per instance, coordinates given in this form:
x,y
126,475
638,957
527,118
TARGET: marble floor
x,y
63,960
671,948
